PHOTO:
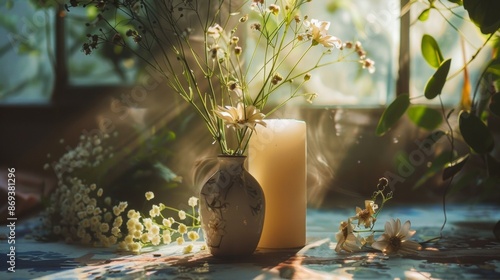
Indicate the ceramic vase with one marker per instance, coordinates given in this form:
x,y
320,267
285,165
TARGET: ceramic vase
x,y
232,208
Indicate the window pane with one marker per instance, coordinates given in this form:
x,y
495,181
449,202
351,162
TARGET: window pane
x,y
452,45
26,56
375,24
107,65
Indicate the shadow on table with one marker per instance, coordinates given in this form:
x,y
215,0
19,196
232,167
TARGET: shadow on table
x,y
282,263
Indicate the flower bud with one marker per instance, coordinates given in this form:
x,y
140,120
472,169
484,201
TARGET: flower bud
x,y
237,50
274,9
256,26
276,79
244,18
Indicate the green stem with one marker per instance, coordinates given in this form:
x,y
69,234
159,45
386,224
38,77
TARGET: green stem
x,y
177,210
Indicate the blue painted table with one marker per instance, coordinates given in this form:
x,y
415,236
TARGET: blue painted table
x,y
468,250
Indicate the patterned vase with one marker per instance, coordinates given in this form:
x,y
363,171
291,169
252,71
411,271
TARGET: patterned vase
x,y
232,209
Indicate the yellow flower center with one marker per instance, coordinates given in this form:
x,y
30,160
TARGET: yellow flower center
x,y
394,244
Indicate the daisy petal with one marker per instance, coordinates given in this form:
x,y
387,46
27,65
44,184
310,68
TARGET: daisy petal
x,y
406,228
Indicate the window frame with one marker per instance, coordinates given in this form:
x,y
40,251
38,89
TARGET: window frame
x,y
59,97
82,95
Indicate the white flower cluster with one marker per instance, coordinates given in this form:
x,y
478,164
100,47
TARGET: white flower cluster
x,y
79,212
158,229
89,153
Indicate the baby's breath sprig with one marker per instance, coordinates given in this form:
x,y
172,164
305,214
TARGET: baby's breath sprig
x,y
80,215
82,212
156,228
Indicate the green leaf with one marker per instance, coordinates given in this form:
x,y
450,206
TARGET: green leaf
x,y
9,22
9,4
437,165
494,67
26,48
166,173
436,83
393,113
466,178
495,104
431,51
425,117
496,83
475,133
484,13
424,15
454,167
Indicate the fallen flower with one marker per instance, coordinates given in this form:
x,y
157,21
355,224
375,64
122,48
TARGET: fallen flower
x,y
365,216
346,240
395,239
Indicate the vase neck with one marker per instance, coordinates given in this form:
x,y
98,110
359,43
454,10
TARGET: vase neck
x,y
233,163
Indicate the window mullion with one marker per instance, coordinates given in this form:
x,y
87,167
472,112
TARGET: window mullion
x,y
61,68
403,82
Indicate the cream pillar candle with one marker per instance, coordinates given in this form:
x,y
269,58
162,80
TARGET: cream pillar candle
x,y
277,159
